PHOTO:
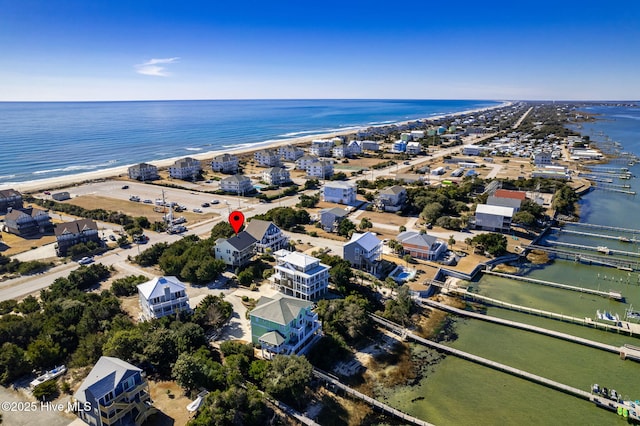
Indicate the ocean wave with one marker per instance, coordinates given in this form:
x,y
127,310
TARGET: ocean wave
x,y
193,149
321,131
377,123
7,176
74,168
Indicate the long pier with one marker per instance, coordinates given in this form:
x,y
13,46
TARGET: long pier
x,y
598,400
607,227
589,258
522,326
592,248
606,187
372,401
630,328
609,294
595,235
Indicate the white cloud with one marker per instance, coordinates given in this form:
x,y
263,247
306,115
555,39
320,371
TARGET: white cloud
x,y
155,67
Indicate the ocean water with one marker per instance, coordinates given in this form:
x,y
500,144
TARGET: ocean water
x,y
51,139
459,392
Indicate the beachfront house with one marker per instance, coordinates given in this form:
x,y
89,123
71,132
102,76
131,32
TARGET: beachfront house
x,y
363,251
341,192
186,169
143,172
267,158
162,296
354,148
71,233
341,151
237,184
399,146
330,218
321,148
114,393
10,199
269,238
321,169
421,246
300,275
225,163
27,222
276,176
236,251
283,325
305,161
493,218
391,199
290,153
367,145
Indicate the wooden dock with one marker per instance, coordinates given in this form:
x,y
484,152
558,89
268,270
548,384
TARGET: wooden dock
x,y
627,328
590,259
608,294
620,238
327,378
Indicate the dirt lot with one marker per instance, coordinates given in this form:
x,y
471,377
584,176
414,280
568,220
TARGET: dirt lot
x,y
133,208
168,398
11,244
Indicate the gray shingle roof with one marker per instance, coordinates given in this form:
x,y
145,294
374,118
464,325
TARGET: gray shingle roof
x,y
75,227
104,377
241,241
257,228
280,309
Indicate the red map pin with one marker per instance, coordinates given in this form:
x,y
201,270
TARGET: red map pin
x,y
236,219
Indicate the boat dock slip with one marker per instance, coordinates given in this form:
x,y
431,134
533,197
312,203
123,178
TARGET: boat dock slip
x,y
610,228
390,410
609,294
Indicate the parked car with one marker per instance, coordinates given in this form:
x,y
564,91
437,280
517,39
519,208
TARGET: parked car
x,y
125,186
204,205
197,211
148,201
112,237
85,260
215,201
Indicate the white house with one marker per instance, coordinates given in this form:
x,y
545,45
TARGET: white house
x,y
267,158
300,275
283,325
363,251
290,153
238,184
268,236
225,163
355,148
236,251
541,159
321,148
185,168
493,218
472,149
276,176
322,169
162,296
305,161
143,171
413,148
341,192
370,145
341,151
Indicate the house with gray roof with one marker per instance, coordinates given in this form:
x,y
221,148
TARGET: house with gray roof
x,y
238,184
493,218
421,246
363,251
186,168
71,233
10,198
225,163
284,325
276,176
391,199
268,236
162,296
114,393
267,158
330,218
300,275
143,172
236,251
27,222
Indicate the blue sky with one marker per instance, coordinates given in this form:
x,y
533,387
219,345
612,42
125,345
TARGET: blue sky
x,y
139,50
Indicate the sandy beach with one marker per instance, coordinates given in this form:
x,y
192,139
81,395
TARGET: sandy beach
x,y
69,180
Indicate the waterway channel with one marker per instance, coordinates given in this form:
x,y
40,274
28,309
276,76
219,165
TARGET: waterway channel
x,y
458,392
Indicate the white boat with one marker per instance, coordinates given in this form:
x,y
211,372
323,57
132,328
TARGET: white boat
x,y
49,375
603,249
195,404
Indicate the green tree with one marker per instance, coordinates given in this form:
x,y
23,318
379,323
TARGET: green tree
x,y
365,223
287,378
125,344
13,363
495,244
346,227
43,353
46,391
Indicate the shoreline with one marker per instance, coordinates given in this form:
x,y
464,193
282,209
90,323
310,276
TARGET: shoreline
x,y
247,148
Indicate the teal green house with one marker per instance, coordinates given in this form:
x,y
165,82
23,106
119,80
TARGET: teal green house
x,y
283,325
